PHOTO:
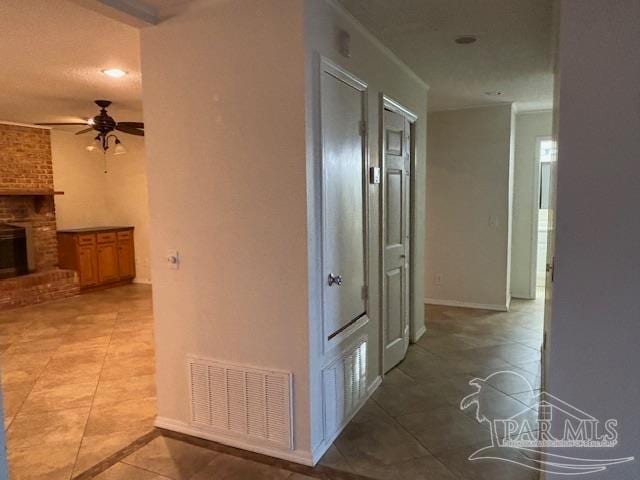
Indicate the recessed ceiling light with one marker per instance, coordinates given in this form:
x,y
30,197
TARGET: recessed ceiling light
x,y
114,72
465,39
493,93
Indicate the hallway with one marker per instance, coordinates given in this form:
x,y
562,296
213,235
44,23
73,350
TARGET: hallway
x,y
412,428
413,423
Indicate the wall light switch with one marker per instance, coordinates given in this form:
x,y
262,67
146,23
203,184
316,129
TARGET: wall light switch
x,y
374,175
173,259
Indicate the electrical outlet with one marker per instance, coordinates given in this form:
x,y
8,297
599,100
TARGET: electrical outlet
x,y
439,279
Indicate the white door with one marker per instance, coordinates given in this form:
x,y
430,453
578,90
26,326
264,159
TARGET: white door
x,y
396,146
343,245
551,250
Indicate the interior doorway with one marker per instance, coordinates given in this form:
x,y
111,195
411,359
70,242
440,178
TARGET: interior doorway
x,y
545,154
397,158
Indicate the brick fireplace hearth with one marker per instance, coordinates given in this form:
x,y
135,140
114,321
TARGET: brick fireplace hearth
x,y
26,199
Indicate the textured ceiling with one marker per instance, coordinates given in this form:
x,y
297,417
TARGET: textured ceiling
x,y
512,54
52,55
52,52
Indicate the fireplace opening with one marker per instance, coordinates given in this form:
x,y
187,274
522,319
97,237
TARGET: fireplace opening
x,y
13,251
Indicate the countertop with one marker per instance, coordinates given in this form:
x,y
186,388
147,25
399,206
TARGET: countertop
x,y
95,229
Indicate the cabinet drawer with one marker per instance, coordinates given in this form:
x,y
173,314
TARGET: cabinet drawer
x,y
106,237
86,239
124,235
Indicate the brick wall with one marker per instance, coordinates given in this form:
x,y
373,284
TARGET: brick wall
x,y
38,287
25,158
25,164
23,209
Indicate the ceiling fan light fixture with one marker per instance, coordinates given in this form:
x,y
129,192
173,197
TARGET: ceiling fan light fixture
x,y
119,148
114,72
94,145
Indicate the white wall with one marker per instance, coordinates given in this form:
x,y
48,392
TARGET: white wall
x,y
223,89
529,127
595,325
80,175
94,198
383,73
468,214
127,198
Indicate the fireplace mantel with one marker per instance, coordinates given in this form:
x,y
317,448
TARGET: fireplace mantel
x,y
38,194
24,192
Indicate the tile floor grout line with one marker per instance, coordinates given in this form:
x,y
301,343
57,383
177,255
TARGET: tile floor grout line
x,y
93,399
119,456
30,389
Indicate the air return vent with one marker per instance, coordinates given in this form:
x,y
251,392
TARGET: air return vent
x,y
345,386
242,401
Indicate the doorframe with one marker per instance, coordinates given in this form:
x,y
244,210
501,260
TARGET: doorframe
x,y
343,75
535,213
386,102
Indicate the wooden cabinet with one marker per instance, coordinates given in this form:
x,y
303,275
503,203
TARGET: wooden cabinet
x,y
101,256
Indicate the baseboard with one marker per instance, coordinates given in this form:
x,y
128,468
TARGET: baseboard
x,y
301,457
419,333
455,303
323,446
142,281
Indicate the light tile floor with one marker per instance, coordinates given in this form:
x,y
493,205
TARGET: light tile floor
x,y
413,428
77,379
78,382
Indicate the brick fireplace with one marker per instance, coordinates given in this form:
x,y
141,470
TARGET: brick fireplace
x,y
26,202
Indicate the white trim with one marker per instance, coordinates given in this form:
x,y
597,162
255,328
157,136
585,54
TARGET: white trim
x,y
29,125
323,446
142,281
374,40
397,107
534,111
472,107
456,303
535,213
297,456
341,74
419,333
135,13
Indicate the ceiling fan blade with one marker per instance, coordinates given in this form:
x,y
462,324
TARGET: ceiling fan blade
x,y
131,124
84,131
76,123
130,130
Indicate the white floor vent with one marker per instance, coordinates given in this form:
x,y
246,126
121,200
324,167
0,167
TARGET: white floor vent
x,y
243,401
345,386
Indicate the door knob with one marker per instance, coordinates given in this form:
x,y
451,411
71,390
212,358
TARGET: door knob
x,y
335,280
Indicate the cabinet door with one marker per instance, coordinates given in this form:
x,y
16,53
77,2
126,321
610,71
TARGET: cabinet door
x,y
126,258
87,265
108,263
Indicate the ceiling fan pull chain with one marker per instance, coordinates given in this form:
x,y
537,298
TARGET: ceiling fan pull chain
x,y
104,156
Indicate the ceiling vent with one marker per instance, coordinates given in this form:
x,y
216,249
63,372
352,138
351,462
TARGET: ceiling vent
x,y
242,401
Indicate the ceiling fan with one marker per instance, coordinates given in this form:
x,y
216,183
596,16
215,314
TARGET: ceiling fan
x,y
104,125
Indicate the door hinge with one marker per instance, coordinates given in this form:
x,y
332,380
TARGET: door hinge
x,y
551,268
363,128
544,341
